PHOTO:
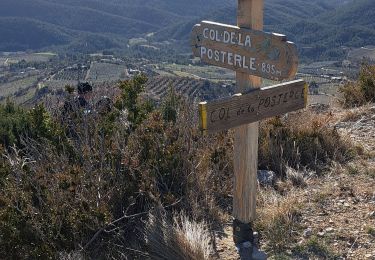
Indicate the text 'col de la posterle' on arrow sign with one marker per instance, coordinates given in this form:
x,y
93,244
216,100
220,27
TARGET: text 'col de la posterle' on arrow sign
x,y
257,53
252,107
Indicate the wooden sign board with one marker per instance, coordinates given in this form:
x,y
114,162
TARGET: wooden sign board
x,y
252,107
257,53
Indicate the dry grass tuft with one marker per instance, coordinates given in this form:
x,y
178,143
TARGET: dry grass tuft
x,y
181,238
314,248
278,217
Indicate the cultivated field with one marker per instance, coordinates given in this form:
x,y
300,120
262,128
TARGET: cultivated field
x,y
323,99
106,72
198,72
59,84
196,82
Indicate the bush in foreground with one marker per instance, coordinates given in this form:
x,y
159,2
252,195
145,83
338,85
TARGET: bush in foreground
x,y
89,192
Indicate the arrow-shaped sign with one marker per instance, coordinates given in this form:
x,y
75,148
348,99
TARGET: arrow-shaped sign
x,y
252,107
266,55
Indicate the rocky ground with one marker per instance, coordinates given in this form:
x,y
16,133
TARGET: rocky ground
x,y
336,212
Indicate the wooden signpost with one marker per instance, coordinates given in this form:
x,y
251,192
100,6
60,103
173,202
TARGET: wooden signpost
x,y
254,55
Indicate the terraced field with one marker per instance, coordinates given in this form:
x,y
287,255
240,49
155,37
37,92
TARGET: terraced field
x,y
357,55
71,74
323,99
158,87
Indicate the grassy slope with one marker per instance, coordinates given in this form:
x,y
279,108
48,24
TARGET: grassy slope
x,y
15,34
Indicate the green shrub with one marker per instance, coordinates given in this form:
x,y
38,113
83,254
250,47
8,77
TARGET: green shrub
x,y
169,108
131,100
367,82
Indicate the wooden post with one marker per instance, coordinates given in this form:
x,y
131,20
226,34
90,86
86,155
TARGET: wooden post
x,y
262,55
250,16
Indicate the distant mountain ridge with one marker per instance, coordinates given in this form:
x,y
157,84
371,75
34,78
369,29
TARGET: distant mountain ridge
x,y
319,27
77,20
277,12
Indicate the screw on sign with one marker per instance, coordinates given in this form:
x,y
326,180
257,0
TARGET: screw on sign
x,y
253,55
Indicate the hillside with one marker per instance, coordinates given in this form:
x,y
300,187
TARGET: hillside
x,y
276,12
13,31
319,27
176,7
75,18
332,216
110,19
360,13
350,25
